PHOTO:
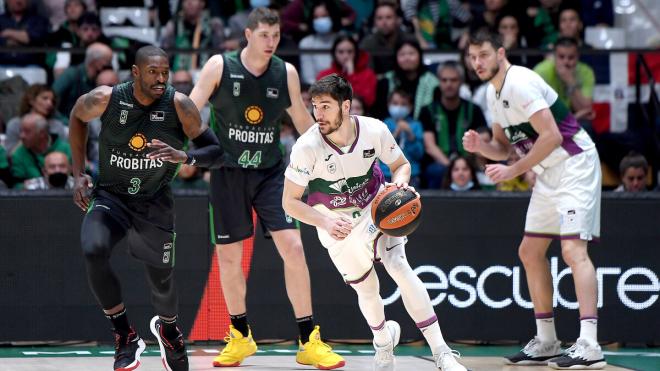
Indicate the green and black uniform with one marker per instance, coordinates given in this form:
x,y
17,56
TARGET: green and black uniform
x,y
132,196
245,114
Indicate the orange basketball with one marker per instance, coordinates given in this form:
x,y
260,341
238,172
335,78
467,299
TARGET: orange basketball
x,y
396,212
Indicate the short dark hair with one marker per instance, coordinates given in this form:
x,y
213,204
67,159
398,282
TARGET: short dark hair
x,y
262,15
333,85
483,35
634,160
404,94
89,18
566,41
143,54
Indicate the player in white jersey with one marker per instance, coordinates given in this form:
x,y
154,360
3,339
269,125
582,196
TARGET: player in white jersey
x,y
565,202
337,159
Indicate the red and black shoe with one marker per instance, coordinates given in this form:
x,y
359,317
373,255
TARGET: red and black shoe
x,y
128,347
172,351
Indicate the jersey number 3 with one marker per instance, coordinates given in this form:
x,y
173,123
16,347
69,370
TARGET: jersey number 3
x,y
246,161
135,186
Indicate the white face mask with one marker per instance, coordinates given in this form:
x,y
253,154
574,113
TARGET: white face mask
x,y
259,3
466,187
323,25
398,112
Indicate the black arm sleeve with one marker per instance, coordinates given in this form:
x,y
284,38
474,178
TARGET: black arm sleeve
x,y
207,153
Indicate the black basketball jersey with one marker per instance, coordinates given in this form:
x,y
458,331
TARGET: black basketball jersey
x,y
246,112
126,128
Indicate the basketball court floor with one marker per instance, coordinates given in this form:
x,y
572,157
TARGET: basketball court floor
x,y
282,357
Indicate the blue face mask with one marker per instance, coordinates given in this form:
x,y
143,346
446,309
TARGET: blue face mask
x,y
398,112
468,186
322,25
259,3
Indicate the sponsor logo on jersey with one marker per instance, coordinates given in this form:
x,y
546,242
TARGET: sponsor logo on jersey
x,y
138,142
135,163
288,218
254,115
157,116
301,170
237,89
167,246
272,93
249,136
122,103
235,76
338,201
332,167
166,257
123,116
505,103
328,158
368,153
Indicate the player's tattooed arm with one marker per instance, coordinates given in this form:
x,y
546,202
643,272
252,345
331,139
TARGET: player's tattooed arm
x,y
188,115
92,104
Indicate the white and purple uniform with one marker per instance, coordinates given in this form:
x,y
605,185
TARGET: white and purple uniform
x,y
565,201
344,182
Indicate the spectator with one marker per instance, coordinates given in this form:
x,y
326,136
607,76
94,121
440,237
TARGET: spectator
x,y
307,99
407,132
432,21
78,80
66,36
192,28
411,75
27,160
297,14
634,170
182,81
349,62
445,120
323,24
461,175
6,179
570,25
107,77
357,106
512,38
38,99
573,80
21,27
545,20
387,35
485,17
56,174
480,161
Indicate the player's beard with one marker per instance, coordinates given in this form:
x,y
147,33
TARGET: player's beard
x,y
493,72
331,129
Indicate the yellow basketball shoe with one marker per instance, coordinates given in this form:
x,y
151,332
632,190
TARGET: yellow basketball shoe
x,y
317,353
237,349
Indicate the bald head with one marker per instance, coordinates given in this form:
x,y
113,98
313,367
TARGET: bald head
x,y
56,162
98,52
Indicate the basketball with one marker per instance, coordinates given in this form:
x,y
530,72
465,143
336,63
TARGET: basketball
x,y
396,212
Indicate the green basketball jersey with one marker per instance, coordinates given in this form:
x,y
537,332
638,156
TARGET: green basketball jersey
x,y
246,112
126,128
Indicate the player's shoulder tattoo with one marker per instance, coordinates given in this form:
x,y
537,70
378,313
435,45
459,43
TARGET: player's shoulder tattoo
x,y
186,106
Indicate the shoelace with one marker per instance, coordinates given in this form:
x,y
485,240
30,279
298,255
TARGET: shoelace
x,y
528,349
441,359
323,346
575,350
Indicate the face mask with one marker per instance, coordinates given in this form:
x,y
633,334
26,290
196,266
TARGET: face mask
x,y
58,180
466,187
398,112
322,25
259,3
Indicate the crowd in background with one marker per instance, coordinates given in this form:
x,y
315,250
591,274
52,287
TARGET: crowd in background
x,y
378,45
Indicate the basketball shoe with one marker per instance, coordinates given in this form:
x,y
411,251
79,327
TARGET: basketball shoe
x,y
172,351
237,349
318,354
128,347
384,358
445,359
583,355
536,352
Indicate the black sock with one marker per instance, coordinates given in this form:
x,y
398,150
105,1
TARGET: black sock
x,y
240,323
306,326
119,321
170,331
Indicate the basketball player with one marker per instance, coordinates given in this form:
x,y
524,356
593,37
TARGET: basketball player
x,y
565,202
144,127
338,160
249,90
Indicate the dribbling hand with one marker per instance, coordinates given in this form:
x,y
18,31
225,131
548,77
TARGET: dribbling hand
x,y
339,228
163,151
81,188
402,185
471,141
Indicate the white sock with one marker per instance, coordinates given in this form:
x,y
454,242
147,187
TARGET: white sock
x,y
589,329
433,337
372,308
545,327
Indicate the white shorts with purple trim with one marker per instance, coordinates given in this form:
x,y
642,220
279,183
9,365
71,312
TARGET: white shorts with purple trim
x,y
355,255
565,202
